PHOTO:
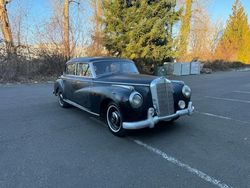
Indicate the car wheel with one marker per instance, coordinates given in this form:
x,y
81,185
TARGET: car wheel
x,y
114,120
61,102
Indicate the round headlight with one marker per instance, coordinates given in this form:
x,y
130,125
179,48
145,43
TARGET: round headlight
x,y
186,91
135,100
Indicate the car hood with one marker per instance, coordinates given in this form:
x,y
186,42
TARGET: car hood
x,y
128,79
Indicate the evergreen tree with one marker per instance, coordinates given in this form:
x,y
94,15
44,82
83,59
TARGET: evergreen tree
x,y
140,29
235,42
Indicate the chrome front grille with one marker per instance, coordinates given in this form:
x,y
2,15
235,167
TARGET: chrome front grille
x,y
162,95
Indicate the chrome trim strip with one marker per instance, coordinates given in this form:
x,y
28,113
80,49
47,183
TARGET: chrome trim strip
x,y
152,120
103,82
119,83
124,86
84,78
80,107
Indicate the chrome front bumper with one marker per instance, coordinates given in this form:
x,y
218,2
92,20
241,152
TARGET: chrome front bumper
x,y
152,120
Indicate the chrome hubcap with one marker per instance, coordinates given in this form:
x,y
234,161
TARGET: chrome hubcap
x,y
114,118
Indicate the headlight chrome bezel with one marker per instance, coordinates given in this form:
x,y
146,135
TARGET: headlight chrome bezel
x,y
132,99
186,91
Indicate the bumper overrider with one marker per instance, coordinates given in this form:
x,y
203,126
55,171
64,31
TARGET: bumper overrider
x,y
152,120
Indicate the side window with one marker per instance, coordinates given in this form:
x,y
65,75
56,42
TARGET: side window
x,y
114,67
83,70
71,69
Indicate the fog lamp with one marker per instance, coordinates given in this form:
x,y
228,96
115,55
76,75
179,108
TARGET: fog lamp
x,y
181,104
151,111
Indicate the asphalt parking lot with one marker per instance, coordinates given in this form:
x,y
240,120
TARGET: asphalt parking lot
x,y
43,145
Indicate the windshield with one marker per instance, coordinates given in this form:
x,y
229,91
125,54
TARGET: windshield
x,y
112,67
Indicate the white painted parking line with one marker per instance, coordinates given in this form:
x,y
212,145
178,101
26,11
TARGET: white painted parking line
x,y
244,92
221,117
188,168
228,99
214,115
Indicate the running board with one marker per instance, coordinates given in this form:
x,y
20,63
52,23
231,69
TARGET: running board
x,y
80,107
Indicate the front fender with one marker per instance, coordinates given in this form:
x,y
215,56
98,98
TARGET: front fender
x,y
100,94
177,89
120,95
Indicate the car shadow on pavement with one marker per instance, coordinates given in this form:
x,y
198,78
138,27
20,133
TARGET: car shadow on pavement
x,y
162,128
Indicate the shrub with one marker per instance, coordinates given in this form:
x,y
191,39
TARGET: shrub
x,y
221,65
22,68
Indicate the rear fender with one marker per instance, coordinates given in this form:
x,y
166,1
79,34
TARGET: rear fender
x,y
58,86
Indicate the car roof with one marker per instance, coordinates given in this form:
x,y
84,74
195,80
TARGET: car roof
x,y
95,59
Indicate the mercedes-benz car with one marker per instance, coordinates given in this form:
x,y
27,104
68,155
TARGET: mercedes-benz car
x,y
113,89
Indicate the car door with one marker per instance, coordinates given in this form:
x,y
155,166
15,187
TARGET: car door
x,y
82,85
68,80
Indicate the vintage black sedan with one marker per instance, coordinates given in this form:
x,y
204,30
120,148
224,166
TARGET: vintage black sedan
x,y
113,89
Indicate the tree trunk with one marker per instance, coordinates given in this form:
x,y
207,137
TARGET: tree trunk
x,y
185,28
5,27
96,47
66,29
